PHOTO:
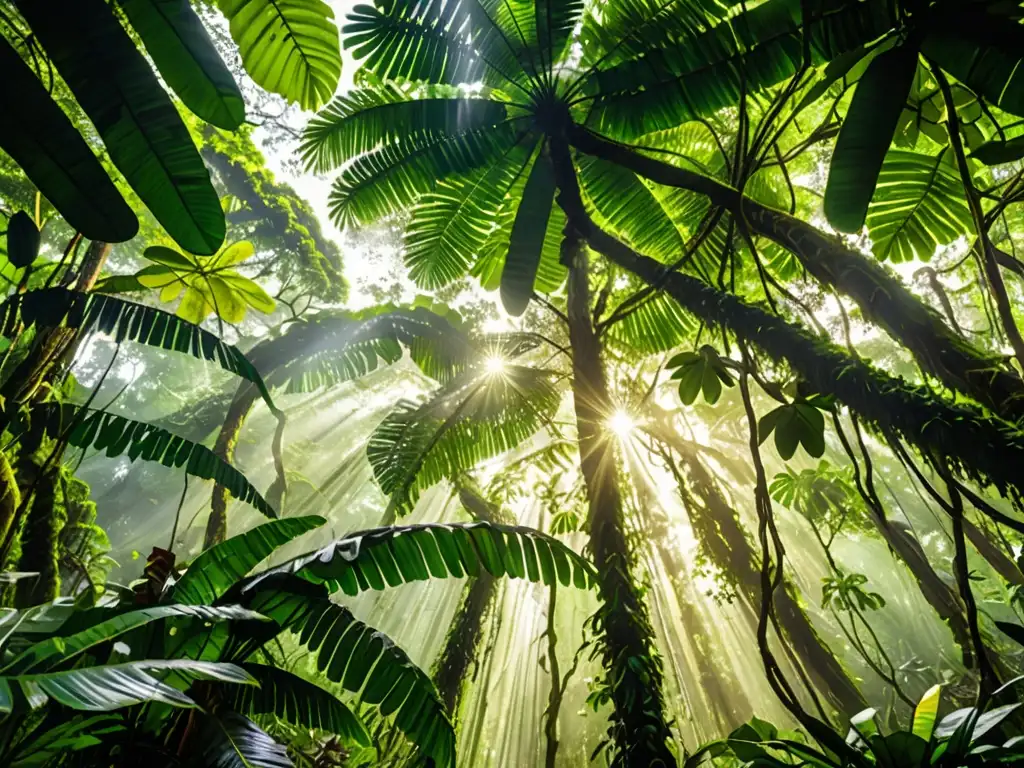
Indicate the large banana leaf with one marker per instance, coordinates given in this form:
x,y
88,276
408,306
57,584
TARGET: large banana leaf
x,y
526,241
102,689
396,555
289,47
417,446
216,569
117,435
360,658
364,118
124,321
182,50
919,206
103,627
230,740
143,132
296,701
866,134
44,143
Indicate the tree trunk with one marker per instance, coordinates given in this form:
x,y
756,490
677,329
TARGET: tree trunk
x,y
633,670
883,299
224,448
982,448
993,554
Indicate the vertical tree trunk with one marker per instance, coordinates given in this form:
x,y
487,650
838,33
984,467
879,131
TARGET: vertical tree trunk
x,y
227,439
639,731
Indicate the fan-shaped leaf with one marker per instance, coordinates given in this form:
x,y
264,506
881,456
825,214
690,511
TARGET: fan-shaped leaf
x,y
117,435
139,124
657,324
866,134
918,206
296,701
527,239
364,118
43,142
216,569
102,689
289,47
124,321
189,63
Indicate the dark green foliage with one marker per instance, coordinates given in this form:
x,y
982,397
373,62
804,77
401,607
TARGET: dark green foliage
x,y
116,435
700,371
797,423
124,321
188,61
866,135
527,238
141,128
230,740
23,239
56,158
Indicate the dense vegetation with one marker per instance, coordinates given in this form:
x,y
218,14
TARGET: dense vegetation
x,y
685,334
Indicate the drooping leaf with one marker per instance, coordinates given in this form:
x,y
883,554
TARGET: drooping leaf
x,y
110,687
230,740
143,132
866,134
216,569
117,435
124,321
296,701
388,557
996,152
44,143
183,52
23,238
919,205
700,371
289,47
527,238
926,712
794,424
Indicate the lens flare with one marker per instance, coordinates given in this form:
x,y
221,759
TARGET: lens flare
x,y
495,365
622,424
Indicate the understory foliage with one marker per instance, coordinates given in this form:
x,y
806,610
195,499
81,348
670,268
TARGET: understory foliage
x,y
703,371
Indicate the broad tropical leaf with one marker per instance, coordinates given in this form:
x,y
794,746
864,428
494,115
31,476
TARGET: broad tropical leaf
x,y
996,152
102,689
472,420
389,557
230,740
926,712
23,239
124,321
362,659
116,435
918,206
182,50
657,324
296,701
142,130
526,241
866,134
794,424
216,569
44,143
364,118
555,21
101,626
289,47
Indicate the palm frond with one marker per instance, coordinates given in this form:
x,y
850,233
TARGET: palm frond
x,y
124,321
117,435
230,740
365,118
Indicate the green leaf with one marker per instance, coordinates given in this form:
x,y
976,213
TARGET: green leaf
x,y
364,118
919,205
185,55
229,740
142,130
296,701
527,240
926,712
124,321
866,134
216,569
56,159
289,47
388,557
117,435
360,658
23,238
110,687
997,152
